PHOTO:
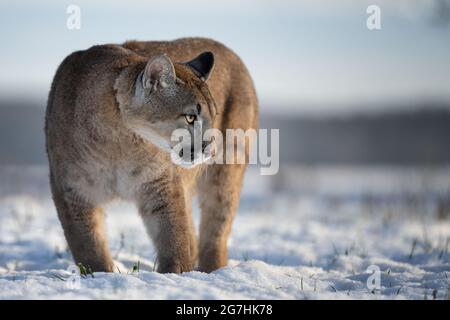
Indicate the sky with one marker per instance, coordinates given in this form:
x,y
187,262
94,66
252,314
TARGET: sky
x,y
303,55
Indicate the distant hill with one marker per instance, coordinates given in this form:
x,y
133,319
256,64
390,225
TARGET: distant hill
x,y
22,139
402,137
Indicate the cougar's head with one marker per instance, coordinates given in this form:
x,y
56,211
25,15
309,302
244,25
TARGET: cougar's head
x,y
170,106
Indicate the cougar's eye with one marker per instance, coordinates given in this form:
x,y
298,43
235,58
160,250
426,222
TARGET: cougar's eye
x,y
190,118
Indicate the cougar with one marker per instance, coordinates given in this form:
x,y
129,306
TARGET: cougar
x,y
110,116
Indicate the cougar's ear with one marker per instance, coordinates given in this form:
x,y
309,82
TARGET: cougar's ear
x,y
202,65
158,73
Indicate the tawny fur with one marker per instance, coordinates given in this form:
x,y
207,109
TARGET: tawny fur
x,y
94,157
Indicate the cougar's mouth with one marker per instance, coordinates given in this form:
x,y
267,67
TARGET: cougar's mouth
x,y
192,158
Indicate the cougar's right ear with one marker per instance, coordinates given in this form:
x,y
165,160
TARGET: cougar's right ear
x,y
158,73
202,65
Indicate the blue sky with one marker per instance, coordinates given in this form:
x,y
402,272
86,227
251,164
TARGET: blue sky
x,y
302,54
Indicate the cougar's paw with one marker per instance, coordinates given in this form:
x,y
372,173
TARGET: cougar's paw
x,y
175,266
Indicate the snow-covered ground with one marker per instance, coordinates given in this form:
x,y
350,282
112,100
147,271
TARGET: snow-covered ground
x,y
309,233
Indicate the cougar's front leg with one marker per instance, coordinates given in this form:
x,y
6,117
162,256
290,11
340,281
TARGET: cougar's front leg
x,y
162,207
219,199
83,225
193,243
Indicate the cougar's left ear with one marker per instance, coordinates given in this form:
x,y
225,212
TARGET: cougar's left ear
x,y
202,65
159,72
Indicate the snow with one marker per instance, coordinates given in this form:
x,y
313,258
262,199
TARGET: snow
x,y
307,233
